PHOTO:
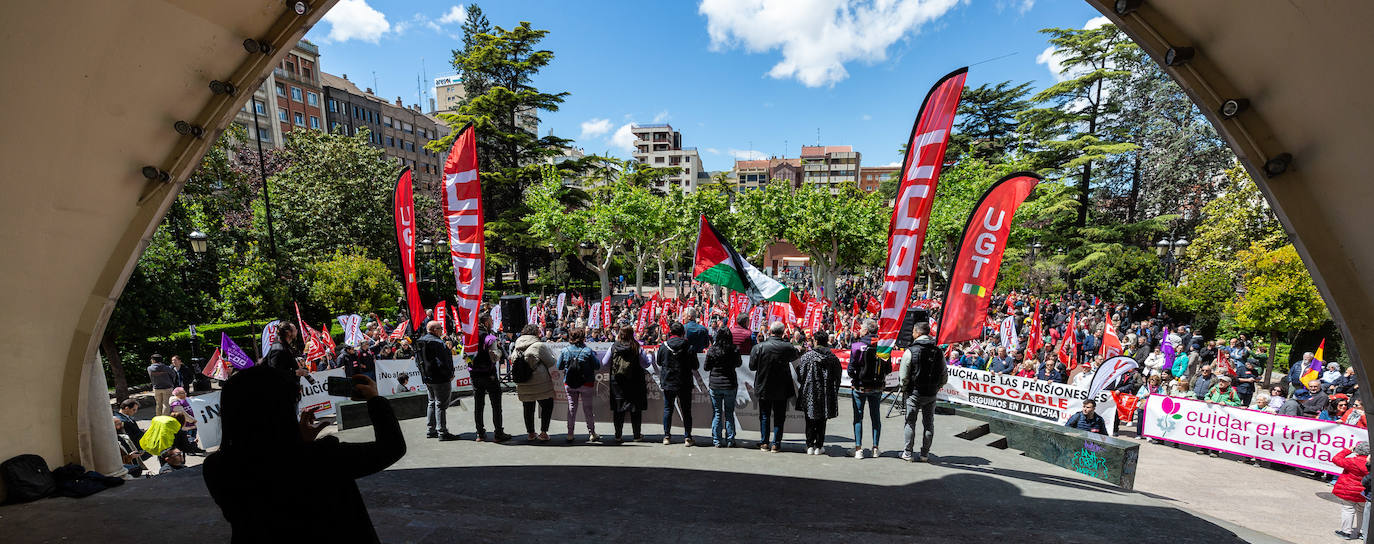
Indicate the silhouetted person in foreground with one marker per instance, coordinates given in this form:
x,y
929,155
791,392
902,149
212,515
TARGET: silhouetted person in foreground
x,y
272,478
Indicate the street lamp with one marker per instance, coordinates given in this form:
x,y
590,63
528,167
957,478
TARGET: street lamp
x,y
1035,249
1169,253
198,241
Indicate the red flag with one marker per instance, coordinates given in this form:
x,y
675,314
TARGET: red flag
x,y
606,313
400,331
1111,343
643,321
855,310
466,232
980,257
403,206
441,314
920,175
1068,347
874,306
1034,339
797,307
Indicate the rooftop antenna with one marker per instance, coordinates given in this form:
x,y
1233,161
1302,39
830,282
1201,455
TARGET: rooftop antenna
x,y
378,90
818,136
784,148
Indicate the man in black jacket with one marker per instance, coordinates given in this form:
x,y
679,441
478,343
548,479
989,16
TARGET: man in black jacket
x,y
281,356
677,360
435,362
922,376
771,362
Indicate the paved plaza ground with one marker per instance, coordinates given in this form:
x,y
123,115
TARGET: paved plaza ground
x,y
514,492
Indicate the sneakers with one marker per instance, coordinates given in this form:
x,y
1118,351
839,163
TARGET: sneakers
x,y
432,434
858,453
543,437
570,438
908,457
530,437
763,446
639,438
667,440
923,458
594,438
481,436
445,437
689,442
777,448
730,444
875,452
501,437
1349,536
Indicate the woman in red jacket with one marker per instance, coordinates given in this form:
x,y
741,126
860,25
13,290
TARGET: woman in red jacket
x,y
1350,490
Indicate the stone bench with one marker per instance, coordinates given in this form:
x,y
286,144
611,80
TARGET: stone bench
x,y
352,414
1103,457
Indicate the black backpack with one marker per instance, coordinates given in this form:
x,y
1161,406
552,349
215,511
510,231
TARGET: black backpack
x,y
27,478
520,369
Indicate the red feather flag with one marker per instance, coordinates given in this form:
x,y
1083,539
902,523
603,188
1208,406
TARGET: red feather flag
x,y
920,173
466,232
403,207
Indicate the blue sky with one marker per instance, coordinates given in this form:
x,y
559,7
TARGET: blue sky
x,y
736,77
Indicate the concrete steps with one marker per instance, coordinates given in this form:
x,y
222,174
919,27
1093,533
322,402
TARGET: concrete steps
x,y
981,433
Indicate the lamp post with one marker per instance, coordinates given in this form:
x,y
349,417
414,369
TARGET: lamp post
x,y
426,254
1169,253
199,241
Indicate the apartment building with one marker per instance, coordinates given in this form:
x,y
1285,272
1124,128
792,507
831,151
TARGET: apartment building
x,y
400,131
872,177
658,145
830,166
755,174
289,98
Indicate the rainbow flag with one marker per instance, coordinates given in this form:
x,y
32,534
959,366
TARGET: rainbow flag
x,y
1314,368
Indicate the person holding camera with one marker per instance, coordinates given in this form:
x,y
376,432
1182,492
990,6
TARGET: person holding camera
x,y
258,488
435,362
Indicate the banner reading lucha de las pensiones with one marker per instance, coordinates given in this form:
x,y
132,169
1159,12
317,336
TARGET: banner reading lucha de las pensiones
x,y
1025,397
1296,441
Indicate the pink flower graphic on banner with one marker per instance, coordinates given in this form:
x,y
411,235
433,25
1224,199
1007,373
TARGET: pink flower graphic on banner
x,y
1171,408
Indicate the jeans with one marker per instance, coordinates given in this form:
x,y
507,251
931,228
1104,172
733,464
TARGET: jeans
x,y
581,396
1352,514
815,433
723,416
545,412
772,412
684,405
875,415
482,388
436,410
919,407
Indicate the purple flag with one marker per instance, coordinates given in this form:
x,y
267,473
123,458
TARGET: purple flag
x,y
229,351
1169,355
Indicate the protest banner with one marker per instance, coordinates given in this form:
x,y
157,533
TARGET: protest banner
x,y
1025,397
1289,440
388,369
315,397
205,408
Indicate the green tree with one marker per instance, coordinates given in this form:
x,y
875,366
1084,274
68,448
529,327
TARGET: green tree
x,y
1069,125
351,283
474,25
506,116
591,228
1278,297
837,231
759,219
986,127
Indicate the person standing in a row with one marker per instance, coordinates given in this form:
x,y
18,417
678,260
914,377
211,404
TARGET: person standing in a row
x,y
819,398
771,362
722,361
677,360
629,392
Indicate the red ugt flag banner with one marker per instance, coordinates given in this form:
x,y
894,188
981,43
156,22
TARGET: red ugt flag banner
x,y
403,206
466,232
925,156
980,257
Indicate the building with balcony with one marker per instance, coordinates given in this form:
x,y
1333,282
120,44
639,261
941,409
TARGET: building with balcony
x,y
830,166
750,175
448,93
660,146
872,177
297,90
401,132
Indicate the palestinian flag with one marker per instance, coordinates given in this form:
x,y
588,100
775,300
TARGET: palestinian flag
x,y
718,263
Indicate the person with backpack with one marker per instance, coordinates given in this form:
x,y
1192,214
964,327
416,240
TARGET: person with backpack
x,y
531,360
818,398
771,362
435,363
867,376
579,365
629,393
485,383
922,375
722,360
676,363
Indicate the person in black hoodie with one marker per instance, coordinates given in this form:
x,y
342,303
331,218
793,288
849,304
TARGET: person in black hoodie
x,y
676,363
435,362
256,482
722,360
771,362
818,398
922,376
629,394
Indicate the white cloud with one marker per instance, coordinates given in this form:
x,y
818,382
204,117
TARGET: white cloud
x,y
1021,6
592,128
817,37
456,14
893,164
662,116
866,117
747,155
355,20
1055,61
623,138
713,151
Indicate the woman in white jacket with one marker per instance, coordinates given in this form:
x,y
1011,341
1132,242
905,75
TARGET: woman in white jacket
x,y
1154,363
530,350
